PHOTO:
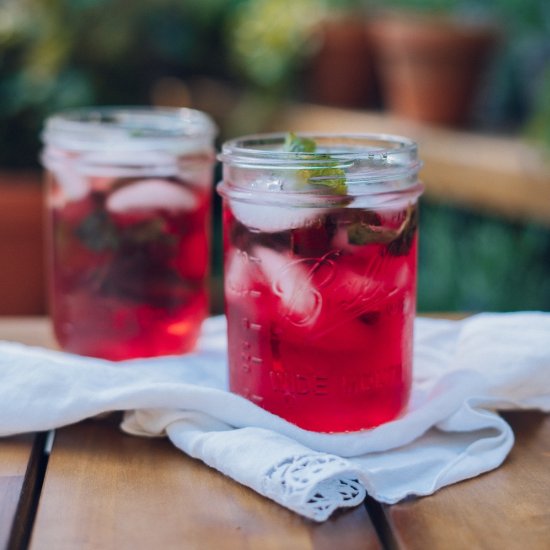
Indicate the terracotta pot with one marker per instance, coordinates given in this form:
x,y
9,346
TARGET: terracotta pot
x,y
430,67
341,72
22,285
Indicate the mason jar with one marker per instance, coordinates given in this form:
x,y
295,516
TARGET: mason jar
x,y
128,201
320,240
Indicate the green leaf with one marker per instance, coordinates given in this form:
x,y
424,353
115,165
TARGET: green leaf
x,y
368,230
98,232
295,144
329,175
148,231
401,245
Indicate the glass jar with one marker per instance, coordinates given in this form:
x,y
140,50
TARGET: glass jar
x,y
128,200
320,245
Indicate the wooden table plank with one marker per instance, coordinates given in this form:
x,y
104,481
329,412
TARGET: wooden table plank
x,y
104,489
33,331
507,508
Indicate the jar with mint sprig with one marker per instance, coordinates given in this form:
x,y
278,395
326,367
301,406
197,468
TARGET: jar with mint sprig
x,y
320,237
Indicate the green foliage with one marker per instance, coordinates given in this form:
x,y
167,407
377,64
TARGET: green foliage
x,y
470,262
429,6
524,17
268,38
58,54
538,127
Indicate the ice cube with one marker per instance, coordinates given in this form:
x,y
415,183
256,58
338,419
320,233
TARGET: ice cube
x,y
273,218
151,194
73,184
290,279
369,289
237,276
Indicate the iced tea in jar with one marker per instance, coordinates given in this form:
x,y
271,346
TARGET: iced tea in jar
x,y
128,199
320,240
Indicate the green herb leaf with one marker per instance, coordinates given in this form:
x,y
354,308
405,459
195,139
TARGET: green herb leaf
x,y
360,233
146,232
295,144
135,278
98,232
334,178
401,245
368,230
329,175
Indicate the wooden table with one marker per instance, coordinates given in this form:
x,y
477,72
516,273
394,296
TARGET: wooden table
x,y
93,487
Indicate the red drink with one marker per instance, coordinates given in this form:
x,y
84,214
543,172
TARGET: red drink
x,y
320,305
129,251
130,283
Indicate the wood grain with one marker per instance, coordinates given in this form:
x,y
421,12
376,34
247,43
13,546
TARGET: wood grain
x,y
502,176
15,455
33,331
104,489
508,508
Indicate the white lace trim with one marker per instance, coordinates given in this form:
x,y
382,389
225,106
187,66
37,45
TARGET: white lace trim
x,y
314,485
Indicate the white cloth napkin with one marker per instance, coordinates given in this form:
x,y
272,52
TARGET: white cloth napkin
x,y
464,371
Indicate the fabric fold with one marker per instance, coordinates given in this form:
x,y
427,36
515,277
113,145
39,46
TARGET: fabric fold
x,y
464,371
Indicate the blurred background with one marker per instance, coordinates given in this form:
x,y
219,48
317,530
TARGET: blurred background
x,y
469,80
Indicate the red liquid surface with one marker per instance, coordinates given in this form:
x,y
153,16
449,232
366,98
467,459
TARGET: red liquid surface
x,y
319,329
130,283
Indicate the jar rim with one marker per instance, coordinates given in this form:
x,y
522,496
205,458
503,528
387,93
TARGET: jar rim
x,y
129,128
265,150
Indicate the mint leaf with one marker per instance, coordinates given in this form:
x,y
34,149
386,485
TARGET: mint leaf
x,y
147,231
334,178
98,232
369,230
329,175
401,245
295,144
360,234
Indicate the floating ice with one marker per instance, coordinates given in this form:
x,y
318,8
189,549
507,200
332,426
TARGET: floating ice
x,y
73,184
151,194
237,276
379,282
290,279
273,218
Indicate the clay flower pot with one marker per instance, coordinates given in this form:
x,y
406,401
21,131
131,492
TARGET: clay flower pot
x,y
430,66
22,284
341,73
